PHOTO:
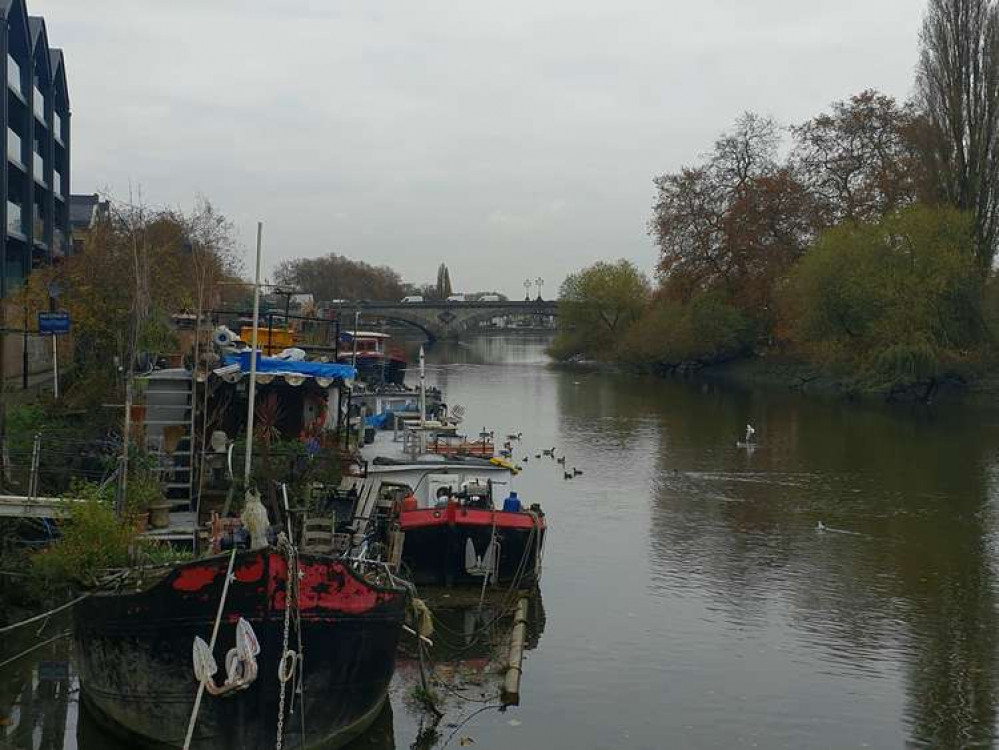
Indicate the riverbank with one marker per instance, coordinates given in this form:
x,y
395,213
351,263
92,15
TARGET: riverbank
x,y
785,373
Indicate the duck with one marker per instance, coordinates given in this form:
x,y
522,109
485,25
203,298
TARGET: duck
x,y
576,472
513,436
508,445
549,452
537,455
567,475
526,459
561,460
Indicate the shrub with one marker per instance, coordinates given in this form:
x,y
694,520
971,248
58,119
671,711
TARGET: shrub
x,y
893,303
93,539
705,330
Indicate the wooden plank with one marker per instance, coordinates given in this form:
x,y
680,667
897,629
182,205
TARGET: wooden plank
x,y
17,506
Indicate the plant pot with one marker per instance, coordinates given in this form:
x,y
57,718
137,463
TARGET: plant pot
x,y
159,515
137,413
140,522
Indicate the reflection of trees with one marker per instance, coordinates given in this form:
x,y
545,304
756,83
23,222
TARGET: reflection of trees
x,y
915,576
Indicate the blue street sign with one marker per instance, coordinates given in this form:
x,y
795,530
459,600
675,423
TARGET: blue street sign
x,y
53,323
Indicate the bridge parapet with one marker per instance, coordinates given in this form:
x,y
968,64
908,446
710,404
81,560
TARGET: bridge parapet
x,y
447,320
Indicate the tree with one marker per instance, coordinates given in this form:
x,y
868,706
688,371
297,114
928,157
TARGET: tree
x,y
140,266
334,277
897,302
733,224
443,289
596,306
958,92
859,160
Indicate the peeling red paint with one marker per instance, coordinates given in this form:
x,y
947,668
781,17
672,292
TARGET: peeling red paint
x,y
324,585
196,577
252,571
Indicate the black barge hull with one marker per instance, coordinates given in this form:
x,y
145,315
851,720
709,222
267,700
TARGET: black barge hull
x,y
135,654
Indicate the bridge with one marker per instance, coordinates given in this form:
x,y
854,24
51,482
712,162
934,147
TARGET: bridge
x,y
445,320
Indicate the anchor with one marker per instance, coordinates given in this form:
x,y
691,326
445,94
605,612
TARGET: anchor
x,y
240,662
480,566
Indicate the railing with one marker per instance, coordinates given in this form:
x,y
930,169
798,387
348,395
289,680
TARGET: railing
x,y
57,125
39,163
13,75
14,148
39,104
15,220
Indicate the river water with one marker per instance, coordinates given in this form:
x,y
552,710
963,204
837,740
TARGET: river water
x,y
833,587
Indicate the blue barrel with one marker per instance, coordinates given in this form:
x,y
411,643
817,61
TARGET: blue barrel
x,y
512,504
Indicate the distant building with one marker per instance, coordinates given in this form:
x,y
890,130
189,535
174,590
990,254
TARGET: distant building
x,y
36,138
84,212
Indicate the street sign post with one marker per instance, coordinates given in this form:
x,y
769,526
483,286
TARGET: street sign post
x,y
54,324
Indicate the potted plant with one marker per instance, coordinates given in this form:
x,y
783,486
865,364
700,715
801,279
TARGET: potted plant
x,y
143,498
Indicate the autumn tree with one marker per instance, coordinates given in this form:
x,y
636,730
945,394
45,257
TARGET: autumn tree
x,y
733,224
958,93
338,277
859,160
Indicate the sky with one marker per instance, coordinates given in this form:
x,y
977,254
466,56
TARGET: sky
x,y
511,140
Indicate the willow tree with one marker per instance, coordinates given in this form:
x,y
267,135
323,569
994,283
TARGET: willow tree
x,y
958,92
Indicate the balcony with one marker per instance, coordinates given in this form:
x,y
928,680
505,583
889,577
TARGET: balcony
x,y
57,125
39,105
14,76
15,220
39,165
57,183
15,150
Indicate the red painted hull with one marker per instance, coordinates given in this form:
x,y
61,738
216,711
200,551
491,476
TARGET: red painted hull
x,y
136,665
437,542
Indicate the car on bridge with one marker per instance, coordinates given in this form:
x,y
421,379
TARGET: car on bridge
x,y
412,298
456,298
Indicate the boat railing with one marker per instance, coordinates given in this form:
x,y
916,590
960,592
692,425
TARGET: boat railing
x,y
460,445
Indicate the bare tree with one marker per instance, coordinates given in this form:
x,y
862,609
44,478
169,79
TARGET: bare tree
x,y
958,91
859,159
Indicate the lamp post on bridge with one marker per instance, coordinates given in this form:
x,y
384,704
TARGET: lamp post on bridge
x,y
527,290
540,282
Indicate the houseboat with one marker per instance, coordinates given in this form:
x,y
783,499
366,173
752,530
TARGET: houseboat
x,y
376,361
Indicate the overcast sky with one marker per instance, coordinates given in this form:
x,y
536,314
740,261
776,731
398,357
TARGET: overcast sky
x,y
508,139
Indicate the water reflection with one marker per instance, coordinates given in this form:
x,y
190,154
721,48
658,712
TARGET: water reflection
x,y
37,693
859,533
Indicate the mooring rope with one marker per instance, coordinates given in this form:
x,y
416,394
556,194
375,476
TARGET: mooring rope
x,y
43,615
37,646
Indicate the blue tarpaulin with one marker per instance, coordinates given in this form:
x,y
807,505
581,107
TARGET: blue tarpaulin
x,y
284,366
